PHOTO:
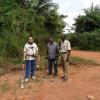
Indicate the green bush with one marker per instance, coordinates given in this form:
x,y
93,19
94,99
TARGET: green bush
x,y
85,41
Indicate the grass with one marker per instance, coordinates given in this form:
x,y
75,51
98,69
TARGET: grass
x,y
6,66
2,71
4,87
79,60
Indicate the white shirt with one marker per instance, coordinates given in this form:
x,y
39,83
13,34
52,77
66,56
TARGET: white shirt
x,y
65,46
30,49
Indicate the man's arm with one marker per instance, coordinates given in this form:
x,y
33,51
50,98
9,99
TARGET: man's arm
x,y
57,49
68,55
24,54
37,51
69,51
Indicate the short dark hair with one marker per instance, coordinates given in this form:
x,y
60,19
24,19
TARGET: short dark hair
x,y
63,37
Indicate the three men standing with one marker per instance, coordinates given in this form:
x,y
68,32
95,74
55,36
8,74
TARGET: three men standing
x,y
53,50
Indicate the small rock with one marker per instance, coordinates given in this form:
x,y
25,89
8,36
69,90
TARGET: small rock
x,y
90,97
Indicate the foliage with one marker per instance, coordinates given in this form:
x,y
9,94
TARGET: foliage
x,y
85,41
87,30
88,22
22,18
78,60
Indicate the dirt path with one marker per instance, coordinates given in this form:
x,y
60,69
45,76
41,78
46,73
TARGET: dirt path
x,y
87,55
84,80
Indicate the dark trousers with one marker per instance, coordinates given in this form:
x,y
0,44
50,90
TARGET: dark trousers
x,y
52,63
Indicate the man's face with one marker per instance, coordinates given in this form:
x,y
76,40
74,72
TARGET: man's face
x,y
63,39
30,40
51,40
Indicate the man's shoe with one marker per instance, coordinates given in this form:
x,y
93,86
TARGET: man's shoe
x,y
65,78
55,74
26,80
49,74
52,80
33,77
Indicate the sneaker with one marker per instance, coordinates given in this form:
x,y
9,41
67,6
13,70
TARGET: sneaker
x,y
49,74
52,80
65,78
33,77
26,80
55,74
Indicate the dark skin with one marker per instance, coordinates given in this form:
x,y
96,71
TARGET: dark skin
x,y
68,55
69,51
51,42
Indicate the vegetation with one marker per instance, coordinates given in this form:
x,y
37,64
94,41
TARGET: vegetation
x,y
4,87
87,30
22,18
89,21
78,60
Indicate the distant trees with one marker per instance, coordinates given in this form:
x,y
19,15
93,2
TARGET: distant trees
x,y
90,21
87,30
85,40
21,18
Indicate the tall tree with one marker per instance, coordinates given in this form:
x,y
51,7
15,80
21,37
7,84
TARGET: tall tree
x,y
90,21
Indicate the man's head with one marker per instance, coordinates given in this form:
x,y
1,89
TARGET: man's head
x,y
51,40
63,38
30,40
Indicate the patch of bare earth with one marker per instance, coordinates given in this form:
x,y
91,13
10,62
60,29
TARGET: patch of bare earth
x,y
87,55
83,80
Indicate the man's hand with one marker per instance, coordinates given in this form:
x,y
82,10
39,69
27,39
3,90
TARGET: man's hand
x,y
46,57
67,59
24,61
23,66
68,56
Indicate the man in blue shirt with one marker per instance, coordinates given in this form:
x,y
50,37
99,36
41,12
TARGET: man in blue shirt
x,y
52,52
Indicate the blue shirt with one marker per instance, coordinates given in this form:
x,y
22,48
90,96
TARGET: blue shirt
x,y
52,50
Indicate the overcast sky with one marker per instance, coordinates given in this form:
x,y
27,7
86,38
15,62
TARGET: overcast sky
x,y
73,8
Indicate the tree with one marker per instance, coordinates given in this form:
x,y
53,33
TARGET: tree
x,y
88,22
21,18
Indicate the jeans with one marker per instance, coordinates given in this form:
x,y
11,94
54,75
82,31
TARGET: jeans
x,y
30,68
51,63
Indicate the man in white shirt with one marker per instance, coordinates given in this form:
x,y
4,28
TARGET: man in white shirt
x,y
30,54
65,49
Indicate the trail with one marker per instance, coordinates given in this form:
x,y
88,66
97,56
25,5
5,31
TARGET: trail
x,y
83,80
87,55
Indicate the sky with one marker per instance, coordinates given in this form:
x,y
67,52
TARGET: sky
x,y
72,8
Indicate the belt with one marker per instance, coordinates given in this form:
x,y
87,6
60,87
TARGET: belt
x,y
29,55
63,52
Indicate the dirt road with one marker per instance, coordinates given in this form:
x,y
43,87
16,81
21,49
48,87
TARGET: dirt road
x,y
87,55
84,80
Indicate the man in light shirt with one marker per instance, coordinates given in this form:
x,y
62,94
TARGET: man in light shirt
x,y
30,54
65,49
